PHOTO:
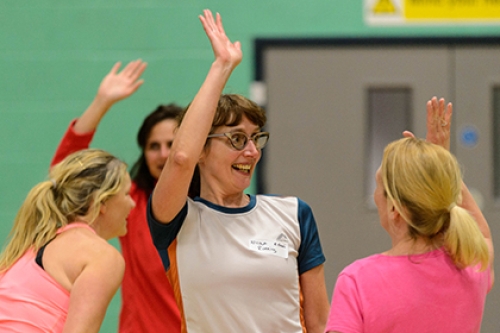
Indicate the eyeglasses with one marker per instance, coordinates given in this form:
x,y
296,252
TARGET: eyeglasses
x,y
239,140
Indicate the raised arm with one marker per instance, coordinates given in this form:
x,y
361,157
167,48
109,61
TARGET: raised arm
x,y
438,132
113,88
471,206
172,187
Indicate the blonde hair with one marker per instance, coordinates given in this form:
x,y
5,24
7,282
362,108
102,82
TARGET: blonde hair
x,y
76,187
424,182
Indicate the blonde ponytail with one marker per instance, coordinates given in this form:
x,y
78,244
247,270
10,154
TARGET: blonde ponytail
x,y
35,224
76,189
424,182
464,241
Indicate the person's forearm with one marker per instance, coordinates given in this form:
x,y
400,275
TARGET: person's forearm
x,y
470,205
89,120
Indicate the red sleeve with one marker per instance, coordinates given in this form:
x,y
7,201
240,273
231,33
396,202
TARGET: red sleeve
x,y
70,143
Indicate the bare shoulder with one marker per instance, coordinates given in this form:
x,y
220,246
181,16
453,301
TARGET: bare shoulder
x,y
85,244
78,249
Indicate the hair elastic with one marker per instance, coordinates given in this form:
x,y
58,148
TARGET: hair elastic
x,y
54,183
451,206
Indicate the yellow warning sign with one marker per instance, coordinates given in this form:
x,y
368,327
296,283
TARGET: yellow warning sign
x,y
452,9
384,7
431,11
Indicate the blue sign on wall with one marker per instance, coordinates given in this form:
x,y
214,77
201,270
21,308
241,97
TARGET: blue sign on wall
x,y
469,136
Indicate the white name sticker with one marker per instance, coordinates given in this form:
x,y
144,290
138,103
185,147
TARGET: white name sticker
x,y
277,248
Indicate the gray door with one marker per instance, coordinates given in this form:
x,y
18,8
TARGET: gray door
x,y
477,124
324,107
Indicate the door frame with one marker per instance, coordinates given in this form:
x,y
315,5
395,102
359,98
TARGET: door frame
x,y
261,45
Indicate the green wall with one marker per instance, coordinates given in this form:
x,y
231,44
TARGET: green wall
x,y
54,53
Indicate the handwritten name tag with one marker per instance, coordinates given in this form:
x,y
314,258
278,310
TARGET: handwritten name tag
x,y
277,248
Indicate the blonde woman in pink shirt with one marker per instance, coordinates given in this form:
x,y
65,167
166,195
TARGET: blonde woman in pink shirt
x,y
58,273
439,269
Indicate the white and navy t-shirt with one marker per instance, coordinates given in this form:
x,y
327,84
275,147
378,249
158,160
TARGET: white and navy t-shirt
x,y
237,269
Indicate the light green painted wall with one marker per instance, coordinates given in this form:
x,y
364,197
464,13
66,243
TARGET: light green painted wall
x,y
53,54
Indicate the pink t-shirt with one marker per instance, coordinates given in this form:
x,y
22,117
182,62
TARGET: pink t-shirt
x,y
31,301
421,293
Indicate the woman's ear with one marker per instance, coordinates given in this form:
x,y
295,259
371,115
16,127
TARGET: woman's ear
x,y
392,212
204,153
397,223
103,208
398,218
202,156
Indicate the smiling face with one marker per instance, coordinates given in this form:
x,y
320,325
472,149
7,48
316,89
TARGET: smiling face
x,y
157,148
115,211
225,170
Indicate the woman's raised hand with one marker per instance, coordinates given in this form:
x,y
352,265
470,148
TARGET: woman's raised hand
x,y
119,85
224,50
113,88
439,122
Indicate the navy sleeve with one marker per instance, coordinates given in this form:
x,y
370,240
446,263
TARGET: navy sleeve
x,y
164,234
310,252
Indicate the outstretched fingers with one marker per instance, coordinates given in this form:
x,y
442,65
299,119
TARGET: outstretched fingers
x,y
439,122
115,68
224,50
134,69
119,85
207,21
218,23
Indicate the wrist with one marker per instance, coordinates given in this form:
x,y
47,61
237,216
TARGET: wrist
x,y
103,102
224,65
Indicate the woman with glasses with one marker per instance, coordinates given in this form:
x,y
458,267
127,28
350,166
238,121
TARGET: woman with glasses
x,y
237,262
436,274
